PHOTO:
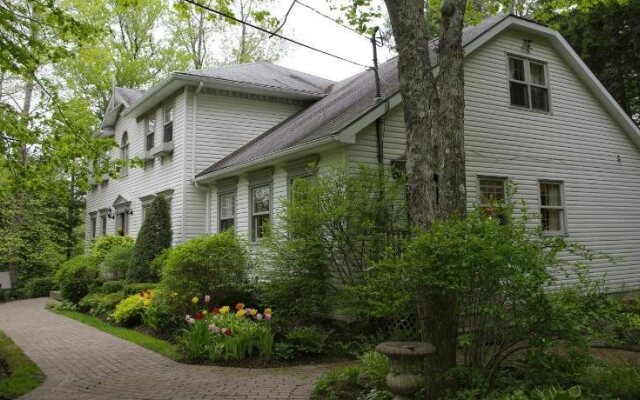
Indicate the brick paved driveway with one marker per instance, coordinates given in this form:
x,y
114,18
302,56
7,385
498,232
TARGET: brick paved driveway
x,y
83,363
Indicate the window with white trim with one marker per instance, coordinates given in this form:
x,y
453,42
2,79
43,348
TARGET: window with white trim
x,y
168,123
492,193
93,226
260,210
552,207
150,134
528,84
227,211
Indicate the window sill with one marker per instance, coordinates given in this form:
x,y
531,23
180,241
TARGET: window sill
x,y
531,110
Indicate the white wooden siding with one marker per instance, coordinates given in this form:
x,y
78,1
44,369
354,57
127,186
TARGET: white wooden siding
x,y
577,143
141,182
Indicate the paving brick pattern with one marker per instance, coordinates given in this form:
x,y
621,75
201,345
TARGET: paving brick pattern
x,y
83,363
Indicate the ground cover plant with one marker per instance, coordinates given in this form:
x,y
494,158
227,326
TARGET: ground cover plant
x,y
18,374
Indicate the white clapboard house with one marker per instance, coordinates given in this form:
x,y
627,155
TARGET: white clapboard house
x,y
223,144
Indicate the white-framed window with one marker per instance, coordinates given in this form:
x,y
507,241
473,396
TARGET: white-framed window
x,y
528,84
168,123
124,153
122,221
150,134
103,224
227,210
260,210
552,207
93,226
492,193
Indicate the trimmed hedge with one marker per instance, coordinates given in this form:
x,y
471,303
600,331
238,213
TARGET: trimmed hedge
x,y
76,277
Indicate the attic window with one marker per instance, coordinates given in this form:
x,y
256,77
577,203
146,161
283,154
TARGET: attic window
x,y
150,136
528,84
168,123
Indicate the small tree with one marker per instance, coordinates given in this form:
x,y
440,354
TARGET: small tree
x,y
155,235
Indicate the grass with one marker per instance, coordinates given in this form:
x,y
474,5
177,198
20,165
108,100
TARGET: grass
x,y
24,374
152,343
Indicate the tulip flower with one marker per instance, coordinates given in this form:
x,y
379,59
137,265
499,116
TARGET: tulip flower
x,y
207,298
195,300
239,306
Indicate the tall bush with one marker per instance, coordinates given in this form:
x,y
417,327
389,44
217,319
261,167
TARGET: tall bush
x,y
76,277
155,235
332,230
103,245
209,265
117,262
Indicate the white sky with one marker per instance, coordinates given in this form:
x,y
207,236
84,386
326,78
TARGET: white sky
x,y
308,27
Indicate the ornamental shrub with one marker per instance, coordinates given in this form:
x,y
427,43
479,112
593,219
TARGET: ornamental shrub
x,y
104,244
307,339
38,287
76,277
101,305
117,262
129,311
163,314
155,235
112,286
214,265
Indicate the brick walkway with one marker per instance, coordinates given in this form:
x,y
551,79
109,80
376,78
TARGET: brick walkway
x,y
83,363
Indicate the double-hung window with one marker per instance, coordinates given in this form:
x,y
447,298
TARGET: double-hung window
x,y
260,210
552,207
93,226
124,153
227,210
493,195
151,130
528,84
168,123
103,224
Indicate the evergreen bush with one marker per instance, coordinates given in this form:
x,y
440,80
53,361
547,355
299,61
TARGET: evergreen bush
x,y
155,235
213,265
76,277
38,287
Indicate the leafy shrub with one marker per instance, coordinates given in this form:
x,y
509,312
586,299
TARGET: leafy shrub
x,y
613,381
207,265
376,366
196,340
361,212
162,314
158,263
307,339
117,262
155,235
103,245
129,311
113,286
100,304
133,288
76,277
283,351
38,287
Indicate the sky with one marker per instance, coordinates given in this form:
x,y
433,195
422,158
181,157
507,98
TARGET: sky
x,y
308,27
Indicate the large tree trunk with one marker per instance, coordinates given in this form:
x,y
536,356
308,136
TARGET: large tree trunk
x,y
434,118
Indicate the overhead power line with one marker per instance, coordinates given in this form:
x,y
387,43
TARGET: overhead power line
x,y
330,19
261,29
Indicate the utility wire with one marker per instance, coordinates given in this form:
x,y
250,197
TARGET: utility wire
x,y
330,19
227,16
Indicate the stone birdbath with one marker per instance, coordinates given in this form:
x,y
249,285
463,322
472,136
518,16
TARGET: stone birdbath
x,y
406,374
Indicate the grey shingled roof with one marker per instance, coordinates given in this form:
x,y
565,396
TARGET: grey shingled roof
x,y
267,75
130,96
346,102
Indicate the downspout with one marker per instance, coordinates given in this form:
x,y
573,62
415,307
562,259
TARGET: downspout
x,y
195,130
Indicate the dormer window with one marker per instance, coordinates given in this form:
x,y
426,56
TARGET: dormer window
x,y
528,84
124,153
150,135
168,123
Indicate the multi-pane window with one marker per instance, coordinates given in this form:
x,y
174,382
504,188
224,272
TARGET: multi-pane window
x,y
493,195
122,223
146,207
168,123
151,129
528,84
227,210
93,226
552,209
103,224
260,210
124,153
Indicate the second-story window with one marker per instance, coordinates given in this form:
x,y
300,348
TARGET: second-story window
x,y
168,123
528,85
151,130
124,153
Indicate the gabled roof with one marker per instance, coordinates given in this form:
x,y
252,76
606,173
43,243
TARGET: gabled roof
x,y
347,101
267,75
121,99
128,96
351,103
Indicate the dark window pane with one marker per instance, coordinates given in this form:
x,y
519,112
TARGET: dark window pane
x,y
550,194
261,199
259,224
492,191
226,224
551,220
519,94
150,140
539,98
516,69
537,74
168,132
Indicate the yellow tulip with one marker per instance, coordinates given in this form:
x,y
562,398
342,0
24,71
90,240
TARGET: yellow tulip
x,y
195,300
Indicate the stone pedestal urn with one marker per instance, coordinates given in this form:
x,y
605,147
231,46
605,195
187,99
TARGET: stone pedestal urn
x,y
406,374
